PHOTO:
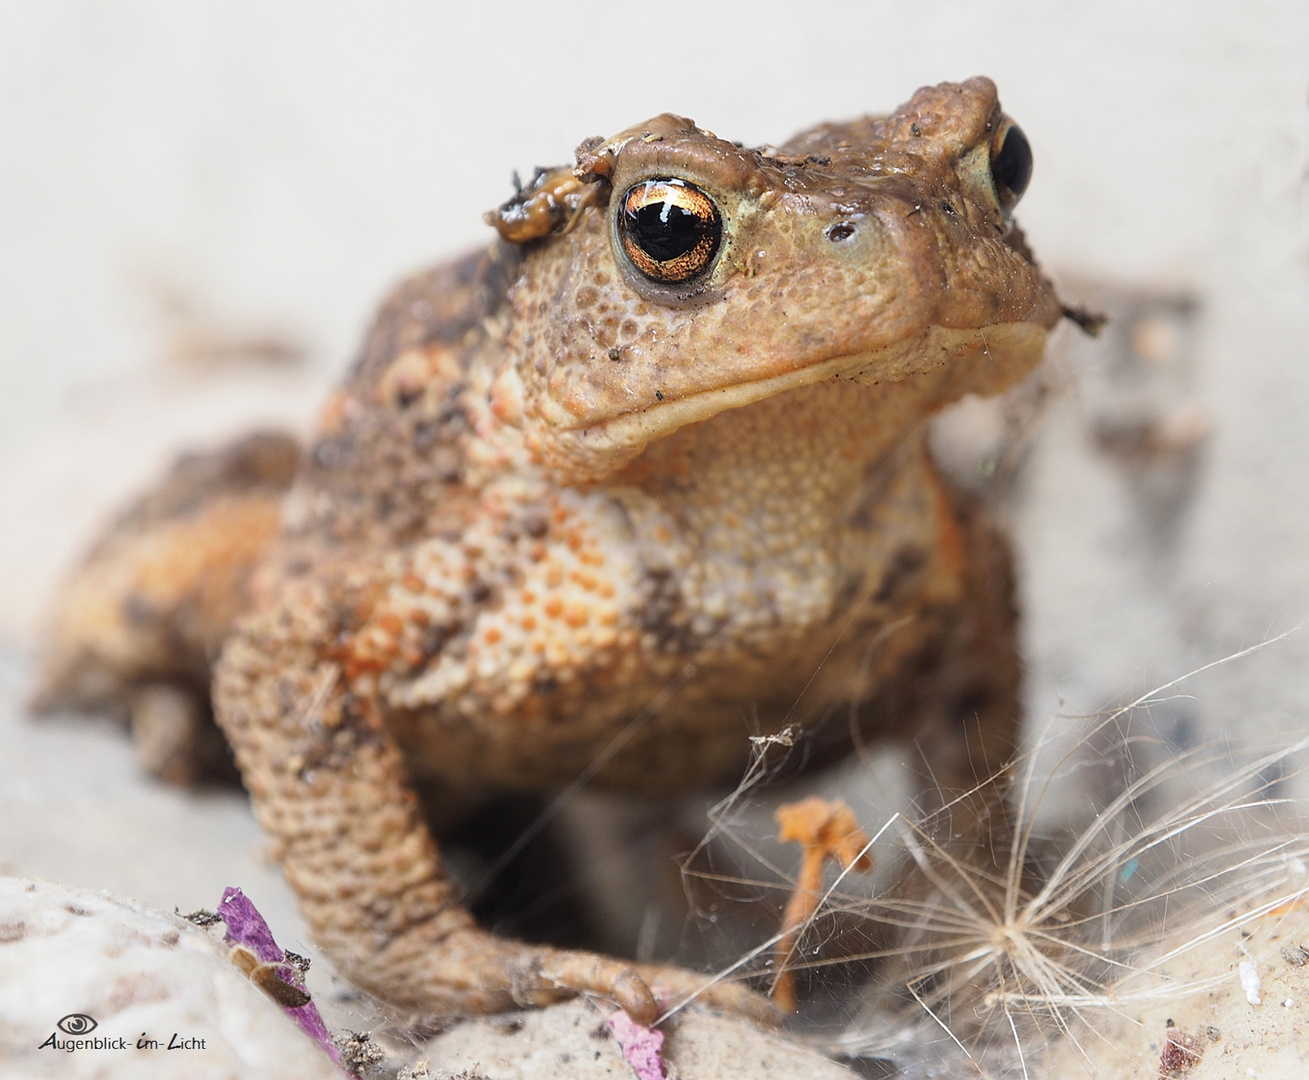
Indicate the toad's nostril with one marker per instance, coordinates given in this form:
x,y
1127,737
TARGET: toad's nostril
x,y
842,230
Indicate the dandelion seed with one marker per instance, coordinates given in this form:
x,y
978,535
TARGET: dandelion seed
x,y
999,937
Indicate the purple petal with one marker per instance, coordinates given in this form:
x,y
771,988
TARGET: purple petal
x,y
641,1046
245,926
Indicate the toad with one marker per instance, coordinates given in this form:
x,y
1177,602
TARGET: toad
x,y
646,477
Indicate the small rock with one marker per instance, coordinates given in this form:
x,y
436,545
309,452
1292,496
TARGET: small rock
x,y
1295,955
139,993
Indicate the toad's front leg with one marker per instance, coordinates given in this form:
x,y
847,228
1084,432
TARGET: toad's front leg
x,y
330,785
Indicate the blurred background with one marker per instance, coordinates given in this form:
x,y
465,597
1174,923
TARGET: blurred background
x,y
200,204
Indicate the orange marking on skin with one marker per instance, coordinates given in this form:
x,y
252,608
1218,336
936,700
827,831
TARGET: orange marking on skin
x,y
492,635
575,539
357,666
576,614
952,549
528,622
392,624
412,583
332,415
553,607
201,560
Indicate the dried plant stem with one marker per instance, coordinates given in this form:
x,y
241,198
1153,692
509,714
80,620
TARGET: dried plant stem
x,y
825,830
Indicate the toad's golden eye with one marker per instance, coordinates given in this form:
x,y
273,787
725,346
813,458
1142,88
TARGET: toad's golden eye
x,y
1011,163
669,229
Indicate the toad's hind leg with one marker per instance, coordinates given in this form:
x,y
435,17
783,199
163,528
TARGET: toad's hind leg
x,y
330,785
973,709
139,623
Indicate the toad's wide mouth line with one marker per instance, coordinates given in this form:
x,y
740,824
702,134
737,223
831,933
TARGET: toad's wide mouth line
x,y
932,348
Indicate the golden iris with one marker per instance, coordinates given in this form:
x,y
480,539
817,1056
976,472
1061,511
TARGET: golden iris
x,y
669,229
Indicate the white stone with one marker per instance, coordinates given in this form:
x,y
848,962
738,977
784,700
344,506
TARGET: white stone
x,y
572,1040
140,974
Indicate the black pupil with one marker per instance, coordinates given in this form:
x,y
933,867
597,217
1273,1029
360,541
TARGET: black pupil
x,y
665,230
1012,166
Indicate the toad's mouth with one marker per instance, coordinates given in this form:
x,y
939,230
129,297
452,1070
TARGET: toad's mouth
x,y
988,361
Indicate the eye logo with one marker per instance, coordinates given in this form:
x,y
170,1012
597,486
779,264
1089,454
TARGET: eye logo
x,y
77,1024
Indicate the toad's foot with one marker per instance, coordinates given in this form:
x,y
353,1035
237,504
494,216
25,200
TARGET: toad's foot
x,y
472,972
